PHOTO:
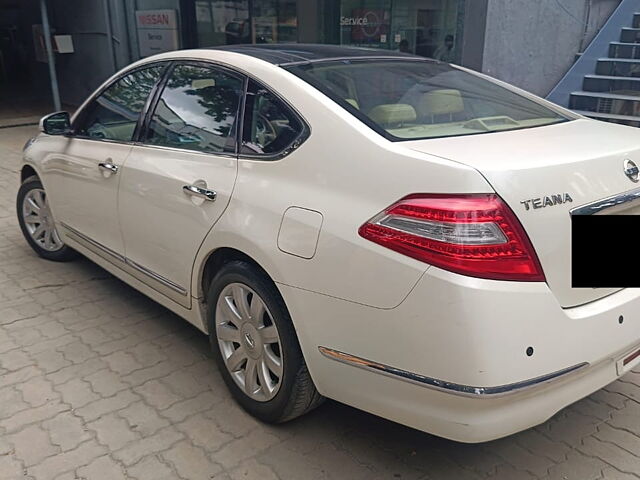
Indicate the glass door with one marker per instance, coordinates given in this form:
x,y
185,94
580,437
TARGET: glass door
x,y
365,23
430,28
222,22
274,21
233,22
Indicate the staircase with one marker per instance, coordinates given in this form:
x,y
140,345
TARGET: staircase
x,y
604,83
612,94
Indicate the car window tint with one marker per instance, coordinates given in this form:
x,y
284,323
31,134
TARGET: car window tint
x,y
197,110
114,114
269,125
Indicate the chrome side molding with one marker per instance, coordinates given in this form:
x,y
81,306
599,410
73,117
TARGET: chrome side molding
x,y
120,258
444,386
158,278
92,242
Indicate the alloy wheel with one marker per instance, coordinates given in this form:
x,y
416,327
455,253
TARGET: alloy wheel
x,y
249,342
39,221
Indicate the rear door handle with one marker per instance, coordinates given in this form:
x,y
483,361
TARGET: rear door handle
x,y
196,191
108,167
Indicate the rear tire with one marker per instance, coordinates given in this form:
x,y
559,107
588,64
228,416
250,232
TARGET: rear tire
x,y
37,223
243,302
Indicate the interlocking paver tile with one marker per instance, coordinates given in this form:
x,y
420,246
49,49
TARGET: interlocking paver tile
x,y
203,432
157,394
103,406
32,445
66,431
613,474
611,454
203,402
578,467
53,466
103,468
77,393
113,431
33,415
151,468
157,443
10,468
252,470
143,419
191,462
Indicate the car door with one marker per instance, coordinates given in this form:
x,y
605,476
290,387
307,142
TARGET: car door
x,y
178,180
82,177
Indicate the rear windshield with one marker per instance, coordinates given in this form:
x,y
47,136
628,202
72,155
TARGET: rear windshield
x,y
410,100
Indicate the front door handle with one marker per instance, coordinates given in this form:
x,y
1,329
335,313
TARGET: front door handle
x,y
196,191
108,167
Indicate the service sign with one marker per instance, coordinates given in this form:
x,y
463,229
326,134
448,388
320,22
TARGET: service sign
x,y
157,31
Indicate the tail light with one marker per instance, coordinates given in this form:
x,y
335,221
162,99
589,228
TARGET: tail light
x,y
474,235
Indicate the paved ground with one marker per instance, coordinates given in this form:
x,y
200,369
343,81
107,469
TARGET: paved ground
x,y
98,382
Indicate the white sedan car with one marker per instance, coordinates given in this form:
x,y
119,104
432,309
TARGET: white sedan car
x,y
384,230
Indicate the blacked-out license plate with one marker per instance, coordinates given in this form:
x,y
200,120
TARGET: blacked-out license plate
x,y
605,251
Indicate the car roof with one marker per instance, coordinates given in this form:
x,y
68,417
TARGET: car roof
x,y
296,53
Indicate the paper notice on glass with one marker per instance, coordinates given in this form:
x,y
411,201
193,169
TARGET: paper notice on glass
x,y
63,43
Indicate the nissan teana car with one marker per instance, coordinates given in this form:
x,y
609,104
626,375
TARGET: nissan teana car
x,y
385,230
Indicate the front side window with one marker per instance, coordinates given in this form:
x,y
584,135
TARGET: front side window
x,y
409,100
197,110
114,114
270,127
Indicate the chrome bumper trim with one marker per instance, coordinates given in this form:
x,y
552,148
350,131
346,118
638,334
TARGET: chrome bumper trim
x,y
606,203
443,386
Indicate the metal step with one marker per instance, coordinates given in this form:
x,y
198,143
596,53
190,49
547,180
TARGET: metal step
x,y
618,67
624,50
636,20
610,83
630,35
612,96
611,118
603,102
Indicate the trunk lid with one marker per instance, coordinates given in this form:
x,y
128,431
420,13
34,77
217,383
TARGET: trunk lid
x,y
535,169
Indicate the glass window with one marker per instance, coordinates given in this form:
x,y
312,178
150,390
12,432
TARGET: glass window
x,y
275,21
270,127
114,114
365,23
232,22
430,28
413,99
222,22
197,110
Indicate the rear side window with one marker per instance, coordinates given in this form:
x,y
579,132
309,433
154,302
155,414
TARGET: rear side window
x,y
197,110
114,114
270,127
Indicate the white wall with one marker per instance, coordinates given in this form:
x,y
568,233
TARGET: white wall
x,y
533,43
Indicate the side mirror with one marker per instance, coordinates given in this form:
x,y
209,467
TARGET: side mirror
x,y
58,123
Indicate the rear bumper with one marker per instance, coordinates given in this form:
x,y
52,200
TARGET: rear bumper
x,y
457,348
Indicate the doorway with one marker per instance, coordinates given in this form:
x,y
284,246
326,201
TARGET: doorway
x,y
24,86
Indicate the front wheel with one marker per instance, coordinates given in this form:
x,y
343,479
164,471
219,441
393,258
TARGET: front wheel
x,y
256,346
37,224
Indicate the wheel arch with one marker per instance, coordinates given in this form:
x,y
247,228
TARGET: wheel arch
x,y
214,261
27,171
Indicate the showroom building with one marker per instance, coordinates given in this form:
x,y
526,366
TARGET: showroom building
x,y
529,43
